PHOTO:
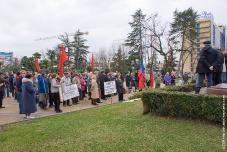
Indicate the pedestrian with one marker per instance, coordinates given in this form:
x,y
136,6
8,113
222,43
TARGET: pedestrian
x,y
19,76
103,78
51,100
11,84
83,87
133,82
205,67
120,88
158,81
28,96
76,80
173,78
185,78
89,85
66,81
3,83
55,84
43,90
94,90
127,80
167,79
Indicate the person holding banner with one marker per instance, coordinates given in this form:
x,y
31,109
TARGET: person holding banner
x,y
76,80
66,81
55,93
94,90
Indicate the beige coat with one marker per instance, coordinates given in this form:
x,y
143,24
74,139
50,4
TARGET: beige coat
x,y
94,89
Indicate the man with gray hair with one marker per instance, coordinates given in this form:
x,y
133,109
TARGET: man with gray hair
x,y
205,66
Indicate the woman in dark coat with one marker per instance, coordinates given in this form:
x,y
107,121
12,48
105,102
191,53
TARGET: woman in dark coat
x,y
28,96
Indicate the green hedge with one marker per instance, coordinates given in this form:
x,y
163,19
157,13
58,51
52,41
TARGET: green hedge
x,y
178,104
183,88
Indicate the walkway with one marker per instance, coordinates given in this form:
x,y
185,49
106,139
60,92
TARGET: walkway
x,y
10,114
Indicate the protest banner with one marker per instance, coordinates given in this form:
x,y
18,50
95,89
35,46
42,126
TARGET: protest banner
x,y
68,92
110,87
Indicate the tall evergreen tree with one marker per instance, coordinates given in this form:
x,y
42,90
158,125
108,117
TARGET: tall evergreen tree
x,y
28,63
119,61
183,29
80,50
135,37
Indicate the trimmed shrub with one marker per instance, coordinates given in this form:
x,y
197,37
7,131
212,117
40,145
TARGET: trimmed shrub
x,y
178,104
183,88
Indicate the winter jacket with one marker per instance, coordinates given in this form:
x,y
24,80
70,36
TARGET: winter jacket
x,y
18,83
167,79
28,96
208,58
94,89
119,85
83,84
54,86
42,84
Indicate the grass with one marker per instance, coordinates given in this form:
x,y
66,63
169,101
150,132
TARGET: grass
x,y
120,127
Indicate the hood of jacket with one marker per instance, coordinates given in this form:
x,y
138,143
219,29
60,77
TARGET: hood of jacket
x,y
24,80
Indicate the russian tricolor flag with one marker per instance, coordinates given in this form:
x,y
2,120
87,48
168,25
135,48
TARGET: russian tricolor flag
x,y
141,73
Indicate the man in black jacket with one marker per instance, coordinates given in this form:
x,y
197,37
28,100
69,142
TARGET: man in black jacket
x,y
218,68
205,66
103,78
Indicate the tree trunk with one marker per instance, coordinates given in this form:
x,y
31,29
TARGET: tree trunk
x,y
179,70
146,108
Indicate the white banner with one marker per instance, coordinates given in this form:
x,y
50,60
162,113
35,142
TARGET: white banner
x,y
69,92
110,87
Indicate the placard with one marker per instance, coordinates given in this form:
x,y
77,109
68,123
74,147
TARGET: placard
x,y
69,92
110,87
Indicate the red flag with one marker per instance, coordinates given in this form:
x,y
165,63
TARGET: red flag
x,y
92,63
37,65
62,59
151,80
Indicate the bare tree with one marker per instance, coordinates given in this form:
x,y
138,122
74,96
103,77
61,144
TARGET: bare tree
x,y
156,35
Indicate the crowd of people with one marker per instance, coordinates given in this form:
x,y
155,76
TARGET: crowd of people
x,y
30,89
42,89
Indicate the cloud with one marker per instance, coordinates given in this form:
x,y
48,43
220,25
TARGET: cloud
x,y
106,21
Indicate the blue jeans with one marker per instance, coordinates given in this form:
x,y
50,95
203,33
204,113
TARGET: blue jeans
x,y
224,77
201,77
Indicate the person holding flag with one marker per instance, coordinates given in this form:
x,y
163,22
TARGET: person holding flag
x,y
141,76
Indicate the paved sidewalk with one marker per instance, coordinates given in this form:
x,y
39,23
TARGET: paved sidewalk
x,y
11,114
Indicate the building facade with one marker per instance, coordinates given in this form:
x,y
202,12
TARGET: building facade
x,y
6,58
206,30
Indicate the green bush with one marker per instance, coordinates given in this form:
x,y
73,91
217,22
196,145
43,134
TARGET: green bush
x,y
183,88
178,104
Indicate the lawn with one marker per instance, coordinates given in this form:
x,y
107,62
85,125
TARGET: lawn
x,y
119,127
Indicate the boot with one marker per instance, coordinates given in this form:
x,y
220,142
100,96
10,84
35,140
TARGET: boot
x,y
68,103
64,103
197,90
